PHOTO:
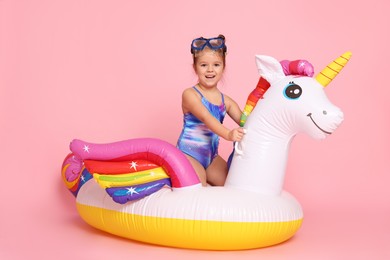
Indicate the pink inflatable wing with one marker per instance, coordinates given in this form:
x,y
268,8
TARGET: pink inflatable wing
x,y
162,153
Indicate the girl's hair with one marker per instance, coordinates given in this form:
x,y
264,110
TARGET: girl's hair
x,y
221,51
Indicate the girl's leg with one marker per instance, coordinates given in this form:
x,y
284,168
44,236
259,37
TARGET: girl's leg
x,y
217,172
198,169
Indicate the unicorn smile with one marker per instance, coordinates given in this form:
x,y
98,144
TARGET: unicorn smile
x,y
326,132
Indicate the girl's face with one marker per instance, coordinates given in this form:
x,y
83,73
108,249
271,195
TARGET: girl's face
x,y
209,68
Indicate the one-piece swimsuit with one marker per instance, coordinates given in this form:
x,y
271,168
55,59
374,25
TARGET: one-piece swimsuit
x,y
196,139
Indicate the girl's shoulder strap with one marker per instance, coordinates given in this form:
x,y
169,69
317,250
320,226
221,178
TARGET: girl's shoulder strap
x,y
197,90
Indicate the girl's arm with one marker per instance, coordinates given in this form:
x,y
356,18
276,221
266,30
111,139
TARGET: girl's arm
x,y
193,104
232,109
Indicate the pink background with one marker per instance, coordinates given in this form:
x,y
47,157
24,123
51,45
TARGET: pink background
x,y
106,71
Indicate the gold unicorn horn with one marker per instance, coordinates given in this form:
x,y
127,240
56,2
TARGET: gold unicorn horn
x,y
333,69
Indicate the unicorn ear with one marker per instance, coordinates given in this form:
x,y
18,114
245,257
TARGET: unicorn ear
x,y
269,68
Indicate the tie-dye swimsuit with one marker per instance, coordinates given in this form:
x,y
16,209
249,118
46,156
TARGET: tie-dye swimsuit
x,y
196,139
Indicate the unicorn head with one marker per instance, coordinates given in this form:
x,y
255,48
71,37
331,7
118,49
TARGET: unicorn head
x,y
298,103
289,105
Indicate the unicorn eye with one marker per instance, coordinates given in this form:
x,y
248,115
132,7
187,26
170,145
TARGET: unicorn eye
x,y
292,91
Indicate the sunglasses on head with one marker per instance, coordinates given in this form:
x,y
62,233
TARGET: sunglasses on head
x,y
199,44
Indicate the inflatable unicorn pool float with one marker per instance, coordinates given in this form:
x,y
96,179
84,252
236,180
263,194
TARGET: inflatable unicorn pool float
x,y
146,190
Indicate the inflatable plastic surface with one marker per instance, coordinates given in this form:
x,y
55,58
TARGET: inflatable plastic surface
x,y
146,190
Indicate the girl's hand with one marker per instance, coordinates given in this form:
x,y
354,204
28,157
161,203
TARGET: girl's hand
x,y
236,134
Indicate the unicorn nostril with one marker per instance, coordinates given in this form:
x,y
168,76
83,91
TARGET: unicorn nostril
x,y
324,112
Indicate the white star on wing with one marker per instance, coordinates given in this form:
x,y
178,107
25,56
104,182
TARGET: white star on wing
x,y
86,148
131,190
133,165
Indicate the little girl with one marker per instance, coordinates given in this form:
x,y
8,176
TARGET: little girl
x,y
204,108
